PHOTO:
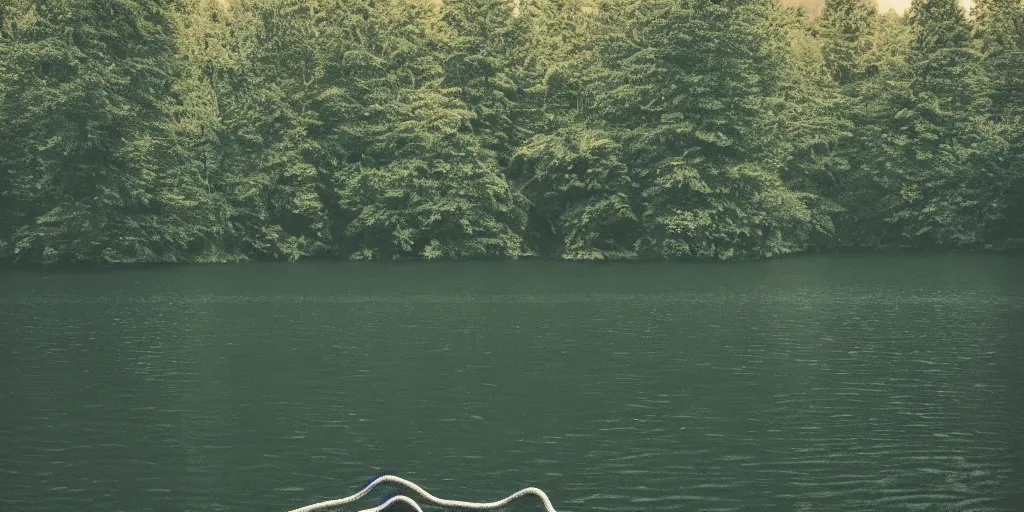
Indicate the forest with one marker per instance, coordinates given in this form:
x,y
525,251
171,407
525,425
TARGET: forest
x,y
160,131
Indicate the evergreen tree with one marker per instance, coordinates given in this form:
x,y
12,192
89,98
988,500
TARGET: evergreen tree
x,y
856,187
926,143
845,29
10,13
483,47
581,193
270,108
815,149
418,185
999,38
855,44
197,130
689,87
205,47
89,135
560,50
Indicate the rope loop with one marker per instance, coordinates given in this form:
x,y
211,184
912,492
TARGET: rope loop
x,y
324,505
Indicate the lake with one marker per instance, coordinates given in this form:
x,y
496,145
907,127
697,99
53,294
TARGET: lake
x,y
812,383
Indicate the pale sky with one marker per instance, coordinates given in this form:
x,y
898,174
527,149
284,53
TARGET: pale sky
x,y
814,6
883,5
899,5
902,5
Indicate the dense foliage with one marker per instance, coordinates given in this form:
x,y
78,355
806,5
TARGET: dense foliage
x,y
203,130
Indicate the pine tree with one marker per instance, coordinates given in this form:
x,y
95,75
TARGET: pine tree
x,y
999,38
190,130
269,98
845,28
581,193
206,49
926,144
559,54
483,47
688,88
97,168
854,41
416,184
814,111
855,186
10,14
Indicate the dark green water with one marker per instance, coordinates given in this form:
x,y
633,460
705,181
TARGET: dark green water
x,y
831,383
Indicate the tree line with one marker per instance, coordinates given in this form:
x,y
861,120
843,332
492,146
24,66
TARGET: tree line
x,y
197,131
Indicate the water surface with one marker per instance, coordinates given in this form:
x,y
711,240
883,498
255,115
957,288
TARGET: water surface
x,y
825,383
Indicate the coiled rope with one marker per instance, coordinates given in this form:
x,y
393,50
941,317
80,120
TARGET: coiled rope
x,y
324,505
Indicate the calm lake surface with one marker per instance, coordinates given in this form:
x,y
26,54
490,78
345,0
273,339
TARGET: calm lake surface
x,y
817,383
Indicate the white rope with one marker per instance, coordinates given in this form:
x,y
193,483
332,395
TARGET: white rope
x,y
324,505
386,504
